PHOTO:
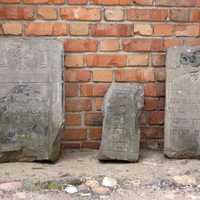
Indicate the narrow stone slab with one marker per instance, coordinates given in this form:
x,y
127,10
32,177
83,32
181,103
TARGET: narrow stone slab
x,y
182,118
121,133
31,99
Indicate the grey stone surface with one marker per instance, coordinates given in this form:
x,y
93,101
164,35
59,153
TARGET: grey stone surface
x,y
121,133
182,118
31,99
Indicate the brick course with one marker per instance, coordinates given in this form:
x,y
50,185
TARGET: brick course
x,y
107,41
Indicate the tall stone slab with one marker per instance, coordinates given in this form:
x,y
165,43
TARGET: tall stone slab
x,y
121,133
182,118
31,99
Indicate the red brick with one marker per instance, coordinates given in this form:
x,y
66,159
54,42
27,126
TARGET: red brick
x,y
77,105
147,14
106,60
77,75
93,119
12,28
156,117
95,133
109,45
180,15
195,15
73,45
90,145
163,29
139,75
73,119
111,2
114,14
74,134
158,59
77,2
160,74
102,75
47,13
74,61
186,3
138,59
98,104
171,42
9,1
70,145
46,29
43,1
132,45
152,132
93,90
154,89
143,29
187,30
112,30
143,2
81,14
71,89
79,29
153,103
16,13
192,41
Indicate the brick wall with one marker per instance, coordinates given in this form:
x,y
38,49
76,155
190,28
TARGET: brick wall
x,y
107,41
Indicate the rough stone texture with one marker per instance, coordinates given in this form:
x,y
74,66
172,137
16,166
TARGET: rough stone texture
x,y
31,99
182,120
121,133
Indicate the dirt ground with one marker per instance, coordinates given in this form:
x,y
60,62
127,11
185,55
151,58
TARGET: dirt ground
x,y
152,178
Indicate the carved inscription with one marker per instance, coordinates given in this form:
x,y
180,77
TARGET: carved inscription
x,y
182,121
122,106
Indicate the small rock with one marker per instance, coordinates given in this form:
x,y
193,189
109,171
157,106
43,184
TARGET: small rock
x,y
10,186
71,189
101,190
185,180
84,189
92,183
109,182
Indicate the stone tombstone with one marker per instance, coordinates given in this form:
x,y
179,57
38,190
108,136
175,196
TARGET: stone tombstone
x,y
182,118
121,133
31,99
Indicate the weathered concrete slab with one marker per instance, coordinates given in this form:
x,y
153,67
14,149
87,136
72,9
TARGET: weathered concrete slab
x,y
182,120
121,133
31,99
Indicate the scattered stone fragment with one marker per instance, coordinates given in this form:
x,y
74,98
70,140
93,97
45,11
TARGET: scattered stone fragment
x,y
83,189
10,186
101,190
92,183
109,182
71,189
185,180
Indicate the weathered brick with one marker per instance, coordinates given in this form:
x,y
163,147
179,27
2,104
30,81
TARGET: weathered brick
x,y
132,45
195,15
79,29
106,60
143,2
73,119
163,29
78,105
102,75
77,2
143,29
44,1
80,45
187,30
139,75
109,45
93,119
12,28
154,89
71,89
116,14
152,132
158,59
9,1
137,59
156,117
98,104
185,3
47,13
77,75
160,74
90,145
112,30
171,42
74,61
180,15
16,13
147,14
111,2
82,14
74,134
95,133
